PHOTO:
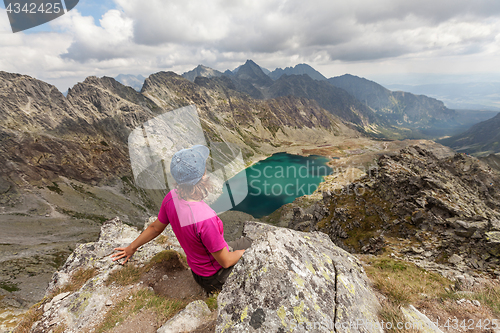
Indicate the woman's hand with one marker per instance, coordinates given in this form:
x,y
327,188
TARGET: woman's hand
x,y
124,252
153,230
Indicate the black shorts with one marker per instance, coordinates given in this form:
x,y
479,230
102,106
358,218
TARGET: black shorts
x,y
214,282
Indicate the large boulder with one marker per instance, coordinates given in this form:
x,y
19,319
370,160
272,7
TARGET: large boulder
x,y
291,281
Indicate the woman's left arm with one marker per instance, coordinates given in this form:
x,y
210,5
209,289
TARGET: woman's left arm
x,y
151,232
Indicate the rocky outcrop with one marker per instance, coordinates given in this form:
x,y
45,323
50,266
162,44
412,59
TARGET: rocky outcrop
x,y
202,71
446,210
86,307
194,315
287,281
291,281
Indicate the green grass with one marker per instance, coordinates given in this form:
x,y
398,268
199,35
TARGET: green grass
x,y
488,295
212,301
403,282
9,286
163,309
55,188
78,279
130,274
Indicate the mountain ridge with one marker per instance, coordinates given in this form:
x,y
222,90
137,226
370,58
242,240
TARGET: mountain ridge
x,y
397,107
298,69
202,71
481,139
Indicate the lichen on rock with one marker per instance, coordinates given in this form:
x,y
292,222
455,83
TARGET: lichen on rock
x,y
295,281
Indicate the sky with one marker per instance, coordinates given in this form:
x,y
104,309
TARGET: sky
x,y
389,41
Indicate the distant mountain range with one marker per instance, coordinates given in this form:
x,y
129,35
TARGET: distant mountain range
x,y
481,139
299,69
362,103
474,95
397,107
52,144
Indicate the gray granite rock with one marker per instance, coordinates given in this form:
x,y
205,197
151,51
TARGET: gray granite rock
x,y
194,315
295,281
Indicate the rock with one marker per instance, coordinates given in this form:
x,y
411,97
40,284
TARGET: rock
x,y
375,245
476,303
464,282
417,320
455,259
97,254
293,280
60,297
47,307
494,225
417,250
194,315
493,239
81,309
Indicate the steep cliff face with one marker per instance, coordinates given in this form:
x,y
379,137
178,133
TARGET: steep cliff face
x,y
333,99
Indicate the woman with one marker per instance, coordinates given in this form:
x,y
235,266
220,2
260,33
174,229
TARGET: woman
x,y
197,227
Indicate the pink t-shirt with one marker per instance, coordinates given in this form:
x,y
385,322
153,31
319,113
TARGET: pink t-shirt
x,y
198,229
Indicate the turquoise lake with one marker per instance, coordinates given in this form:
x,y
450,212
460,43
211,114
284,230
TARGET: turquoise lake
x,y
276,181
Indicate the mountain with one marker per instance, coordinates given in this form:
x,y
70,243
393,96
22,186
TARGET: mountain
x,y
331,98
397,107
454,201
472,95
481,139
297,70
265,70
254,74
65,164
134,81
493,160
202,71
251,80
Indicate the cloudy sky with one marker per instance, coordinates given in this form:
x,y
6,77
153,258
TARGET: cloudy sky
x,y
383,40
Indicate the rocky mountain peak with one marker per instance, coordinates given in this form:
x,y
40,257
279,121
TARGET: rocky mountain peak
x,y
31,105
252,73
397,107
201,71
297,70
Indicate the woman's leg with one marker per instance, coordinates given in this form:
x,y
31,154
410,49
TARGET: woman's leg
x,y
215,282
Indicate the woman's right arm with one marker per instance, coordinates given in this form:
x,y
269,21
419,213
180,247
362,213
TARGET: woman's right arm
x,y
151,232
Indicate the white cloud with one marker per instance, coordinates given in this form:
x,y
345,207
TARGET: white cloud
x,y
142,37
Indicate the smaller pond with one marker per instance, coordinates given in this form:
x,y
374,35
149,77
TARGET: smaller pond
x,y
278,180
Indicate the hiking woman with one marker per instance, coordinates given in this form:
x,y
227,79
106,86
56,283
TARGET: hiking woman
x,y
197,227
